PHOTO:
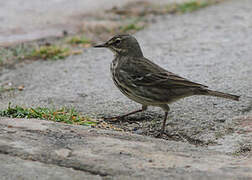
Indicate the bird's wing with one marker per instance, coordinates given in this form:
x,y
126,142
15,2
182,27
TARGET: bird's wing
x,y
145,73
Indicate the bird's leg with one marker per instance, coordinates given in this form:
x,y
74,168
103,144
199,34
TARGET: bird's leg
x,y
166,109
123,116
164,123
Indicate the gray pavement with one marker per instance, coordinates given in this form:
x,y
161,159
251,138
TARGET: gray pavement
x,y
211,46
59,151
34,19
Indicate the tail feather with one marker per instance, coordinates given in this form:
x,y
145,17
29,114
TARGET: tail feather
x,y
219,94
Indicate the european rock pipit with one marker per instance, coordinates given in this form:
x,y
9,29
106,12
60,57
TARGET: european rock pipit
x,y
147,83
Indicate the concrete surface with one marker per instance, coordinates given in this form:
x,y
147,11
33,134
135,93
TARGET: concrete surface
x,y
29,20
59,151
34,19
13,168
211,46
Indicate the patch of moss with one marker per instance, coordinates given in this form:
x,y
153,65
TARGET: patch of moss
x,y
8,55
133,26
191,6
65,115
75,40
6,89
1,60
187,7
49,52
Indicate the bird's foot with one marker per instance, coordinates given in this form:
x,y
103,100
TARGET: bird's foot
x,y
119,118
113,119
159,135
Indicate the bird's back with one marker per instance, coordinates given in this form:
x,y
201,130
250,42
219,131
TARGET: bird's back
x,y
145,82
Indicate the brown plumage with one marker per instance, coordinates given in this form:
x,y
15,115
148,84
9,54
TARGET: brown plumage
x,y
147,83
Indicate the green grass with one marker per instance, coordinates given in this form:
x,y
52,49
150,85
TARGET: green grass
x,y
21,52
133,26
65,115
49,52
191,6
188,6
75,40
2,56
15,53
6,89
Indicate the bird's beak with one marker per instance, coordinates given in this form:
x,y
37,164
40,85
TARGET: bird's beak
x,y
100,45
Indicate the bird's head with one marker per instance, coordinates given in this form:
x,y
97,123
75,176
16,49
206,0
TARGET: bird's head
x,y
123,44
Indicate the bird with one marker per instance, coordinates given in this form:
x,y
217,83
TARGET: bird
x,y
145,82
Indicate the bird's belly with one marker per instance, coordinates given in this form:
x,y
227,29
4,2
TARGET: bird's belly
x,y
128,91
149,95
133,93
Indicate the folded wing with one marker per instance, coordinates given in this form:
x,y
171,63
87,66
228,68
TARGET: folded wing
x,y
146,73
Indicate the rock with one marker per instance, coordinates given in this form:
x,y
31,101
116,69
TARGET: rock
x,y
61,151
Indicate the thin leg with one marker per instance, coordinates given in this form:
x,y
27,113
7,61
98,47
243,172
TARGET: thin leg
x,y
166,109
164,123
123,116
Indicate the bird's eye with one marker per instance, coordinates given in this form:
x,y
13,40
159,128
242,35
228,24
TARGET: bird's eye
x,y
117,42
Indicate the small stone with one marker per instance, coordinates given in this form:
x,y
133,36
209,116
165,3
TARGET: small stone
x,y
21,88
63,152
139,131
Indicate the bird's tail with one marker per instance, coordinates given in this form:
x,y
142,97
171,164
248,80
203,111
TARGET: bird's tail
x,y
219,94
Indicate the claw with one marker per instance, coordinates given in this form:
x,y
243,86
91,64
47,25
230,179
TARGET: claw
x,y
159,135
